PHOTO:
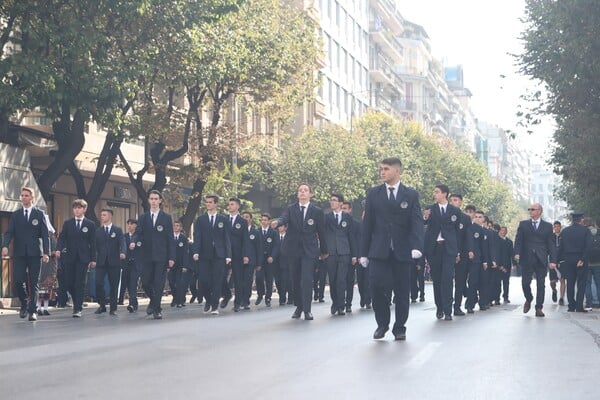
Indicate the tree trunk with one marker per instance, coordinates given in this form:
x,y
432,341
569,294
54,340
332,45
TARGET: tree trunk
x,y
187,219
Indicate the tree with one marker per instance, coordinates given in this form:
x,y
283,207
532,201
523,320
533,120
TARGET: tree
x,y
562,52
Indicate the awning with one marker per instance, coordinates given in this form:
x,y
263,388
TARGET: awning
x,y
15,172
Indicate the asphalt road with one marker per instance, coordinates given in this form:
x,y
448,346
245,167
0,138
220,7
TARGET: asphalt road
x,y
264,354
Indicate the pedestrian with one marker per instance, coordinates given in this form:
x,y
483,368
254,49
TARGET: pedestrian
x,y
461,266
505,263
535,250
392,238
238,234
266,275
178,275
305,246
132,270
556,275
356,273
477,257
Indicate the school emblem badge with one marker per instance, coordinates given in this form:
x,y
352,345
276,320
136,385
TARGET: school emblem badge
x,y
344,224
180,244
113,235
310,221
84,229
238,226
269,240
220,224
453,218
476,235
35,222
404,204
159,228
252,237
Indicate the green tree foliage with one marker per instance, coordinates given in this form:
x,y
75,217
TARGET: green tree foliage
x,y
562,51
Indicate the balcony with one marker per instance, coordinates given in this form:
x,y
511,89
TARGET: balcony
x,y
380,70
386,42
387,11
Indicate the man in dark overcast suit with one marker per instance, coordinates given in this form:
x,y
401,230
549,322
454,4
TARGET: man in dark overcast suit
x,y
534,247
392,237
305,236
27,226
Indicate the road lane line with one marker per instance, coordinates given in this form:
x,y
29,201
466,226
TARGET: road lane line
x,y
424,355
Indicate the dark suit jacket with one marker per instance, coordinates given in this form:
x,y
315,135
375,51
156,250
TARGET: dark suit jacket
x,y
77,245
238,234
448,225
533,244
384,221
132,257
493,245
253,248
505,252
576,241
478,244
30,236
109,247
341,238
157,241
182,248
268,242
304,238
464,236
212,242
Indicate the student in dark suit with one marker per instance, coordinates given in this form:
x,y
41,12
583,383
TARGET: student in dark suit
x,y
305,236
155,232
343,250
442,248
477,257
264,277
77,250
486,280
392,238
178,275
133,266
111,249
535,250
356,271
505,261
253,261
575,248
212,248
461,267
238,234
553,273
282,267
28,230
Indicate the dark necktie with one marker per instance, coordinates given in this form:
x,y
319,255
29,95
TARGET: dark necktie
x,y
212,220
443,211
78,224
153,219
392,197
535,225
106,229
281,238
302,211
231,220
26,215
337,218
264,232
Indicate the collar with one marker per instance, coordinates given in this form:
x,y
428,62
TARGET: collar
x,y
304,205
109,226
234,216
537,221
388,186
211,215
443,205
28,209
155,212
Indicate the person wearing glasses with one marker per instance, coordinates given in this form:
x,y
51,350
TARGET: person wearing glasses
x,y
535,250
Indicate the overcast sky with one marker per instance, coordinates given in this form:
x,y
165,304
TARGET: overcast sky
x,y
480,35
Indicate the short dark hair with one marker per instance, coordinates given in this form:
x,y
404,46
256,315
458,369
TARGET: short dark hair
x,y
108,210
338,196
248,213
471,207
392,161
557,223
132,221
238,201
480,212
457,195
212,196
443,188
347,203
79,203
497,226
154,191
266,215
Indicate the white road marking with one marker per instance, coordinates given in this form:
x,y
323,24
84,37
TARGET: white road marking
x,y
424,355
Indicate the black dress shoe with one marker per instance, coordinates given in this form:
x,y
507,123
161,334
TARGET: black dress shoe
x,y
459,312
316,297
224,302
400,336
333,309
149,310
341,311
448,317
23,313
258,300
33,317
282,303
526,307
380,332
554,295
268,302
583,310
422,299
179,306
470,311
413,300
130,308
247,307
45,312
368,306
506,301
206,308
157,315
308,316
539,313
173,304
290,302
100,310
348,309
570,309
113,312
321,300
561,302
236,308
439,314
297,313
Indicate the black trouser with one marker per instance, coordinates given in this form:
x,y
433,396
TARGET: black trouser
x,y
364,287
75,274
442,273
350,281
485,286
178,282
264,280
460,282
248,279
474,273
194,285
213,274
62,296
387,276
303,271
282,281
154,275
125,277
417,281
27,276
227,282
114,275
337,269
575,276
496,284
132,284
540,270
505,283
239,273
319,279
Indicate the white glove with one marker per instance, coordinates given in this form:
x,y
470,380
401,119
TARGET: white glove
x,y
364,261
416,254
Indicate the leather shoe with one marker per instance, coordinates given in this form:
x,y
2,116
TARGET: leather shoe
x,y
297,313
400,336
45,312
321,300
113,312
448,317
157,315
308,316
236,308
100,310
380,332
561,302
470,311
130,308
33,317
224,302
149,310
526,306
348,309
422,299
539,313
333,309
246,307
206,308
268,302
439,314
578,310
554,295
368,306
341,311
23,313
459,312
413,300
258,300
